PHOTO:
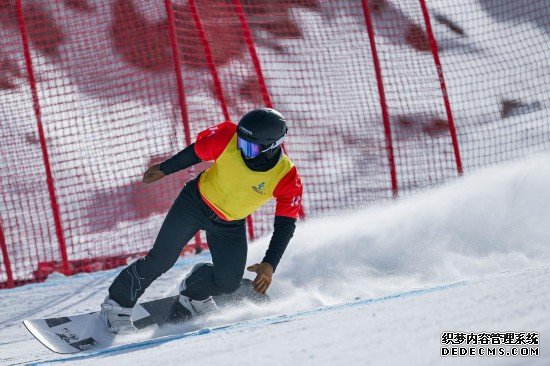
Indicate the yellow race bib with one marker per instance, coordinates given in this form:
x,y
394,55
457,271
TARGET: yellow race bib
x,y
233,190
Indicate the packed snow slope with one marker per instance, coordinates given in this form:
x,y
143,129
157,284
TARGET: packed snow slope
x,y
376,286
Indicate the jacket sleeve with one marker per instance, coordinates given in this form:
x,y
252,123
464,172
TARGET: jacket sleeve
x,y
282,233
288,194
182,160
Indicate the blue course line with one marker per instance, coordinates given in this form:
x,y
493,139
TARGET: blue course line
x,y
253,323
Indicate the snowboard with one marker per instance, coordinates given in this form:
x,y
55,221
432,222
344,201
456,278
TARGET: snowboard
x,y
87,332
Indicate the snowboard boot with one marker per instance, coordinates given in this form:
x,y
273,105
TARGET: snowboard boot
x,y
117,319
199,307
196,307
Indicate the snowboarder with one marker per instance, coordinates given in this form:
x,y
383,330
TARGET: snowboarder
x,y
249,169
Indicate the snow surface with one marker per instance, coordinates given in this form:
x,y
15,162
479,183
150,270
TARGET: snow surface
x,y
374,286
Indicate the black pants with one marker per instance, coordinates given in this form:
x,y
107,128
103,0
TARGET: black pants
x,y
189,214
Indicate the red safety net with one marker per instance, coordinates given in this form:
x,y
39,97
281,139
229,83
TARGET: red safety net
x,y
381,97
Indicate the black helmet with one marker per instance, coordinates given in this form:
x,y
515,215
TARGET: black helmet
x,y
263,126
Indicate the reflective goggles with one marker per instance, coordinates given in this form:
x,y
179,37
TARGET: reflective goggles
x,y
251,149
